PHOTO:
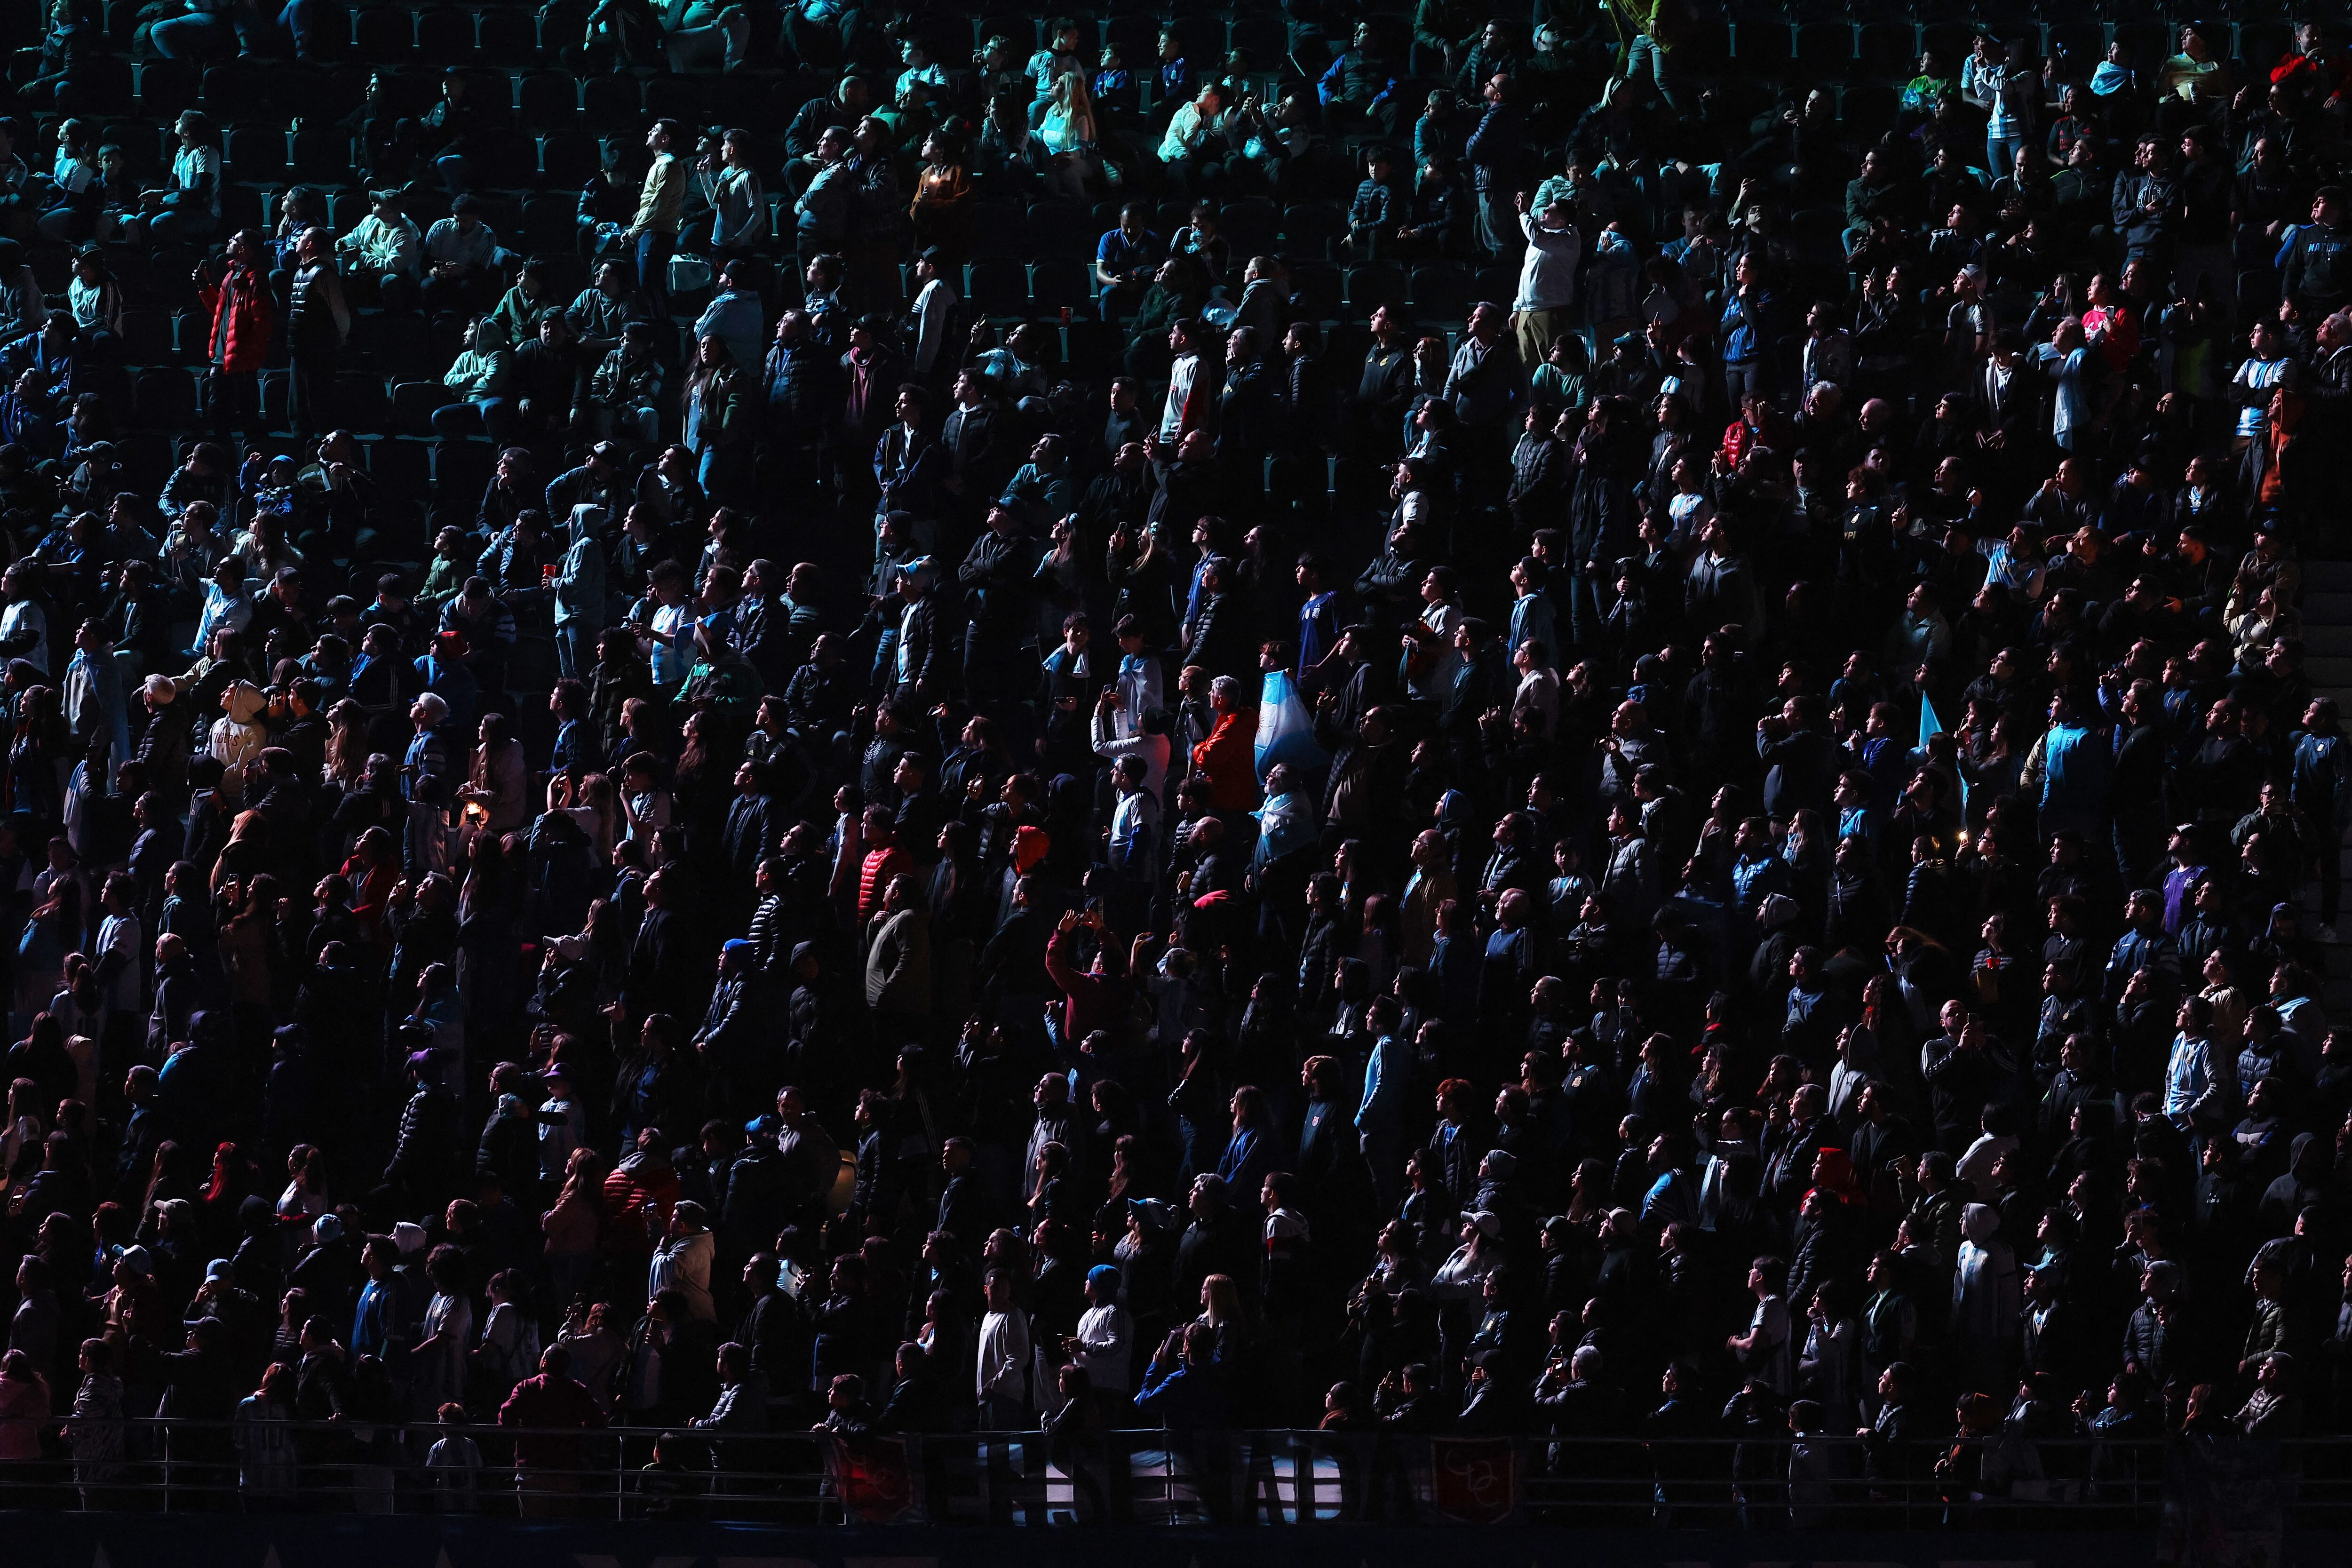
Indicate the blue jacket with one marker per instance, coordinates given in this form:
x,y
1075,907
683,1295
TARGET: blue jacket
x,y
1750,327
575,748
452,682
371,1321
1387,1078
1187,1399
427,754
803,390
1248,1156
2075,767
1498,150
735,319
2321,790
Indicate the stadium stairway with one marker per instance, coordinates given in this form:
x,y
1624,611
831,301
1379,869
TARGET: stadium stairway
x,y
2328,660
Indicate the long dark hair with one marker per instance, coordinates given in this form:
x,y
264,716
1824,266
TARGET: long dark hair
x,y
696,763
486,868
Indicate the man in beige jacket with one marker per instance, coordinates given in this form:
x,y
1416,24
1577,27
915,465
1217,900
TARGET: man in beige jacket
x,y
654,231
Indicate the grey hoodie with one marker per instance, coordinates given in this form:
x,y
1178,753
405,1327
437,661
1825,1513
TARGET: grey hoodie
x,y
580,580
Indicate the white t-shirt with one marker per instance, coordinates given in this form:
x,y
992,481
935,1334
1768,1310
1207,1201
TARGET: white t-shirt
x,y
1106,1347
1768,1358
26,616
557,1139
190,165
931,307
1180,377
119,933
672,660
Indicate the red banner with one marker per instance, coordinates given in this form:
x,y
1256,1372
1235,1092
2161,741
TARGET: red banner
x,y
871,1477
1473,1480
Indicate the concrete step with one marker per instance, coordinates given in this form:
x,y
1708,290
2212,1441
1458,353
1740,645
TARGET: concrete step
x,y
2326,640
2334,671
2328,577
2326,609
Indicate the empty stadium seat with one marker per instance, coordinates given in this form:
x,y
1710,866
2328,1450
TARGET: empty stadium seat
x,y
1307,229
791,281
446,36
1889,49
1315,290
229,90
1869,109
331,31
1440,292
547,101
461,470
346,208
997,286
509,38
1019,29
1380,283
1253,226
164,398
1347,342
52,267
1949,40
402,469
1062,228
548,222
680,98
147,338
167,87
147,459
360,401
1061,283
2146,44
1093,348
1760,45
106,87
504,158
1137,38
1006,236
1825,49
297,91
241,207
255,153
2085,42
1203,37
612,101
383,33
2262,44
321,155
1265,39
394,345
568,159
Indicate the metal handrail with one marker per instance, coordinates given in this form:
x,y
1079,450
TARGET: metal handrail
x,y
1293,1476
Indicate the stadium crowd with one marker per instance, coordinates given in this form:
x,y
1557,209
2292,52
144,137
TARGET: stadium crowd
x,y
1585,751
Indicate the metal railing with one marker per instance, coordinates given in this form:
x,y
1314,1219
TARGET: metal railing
x,y
1142,1478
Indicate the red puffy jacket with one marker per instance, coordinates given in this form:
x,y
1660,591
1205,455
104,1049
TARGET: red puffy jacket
x,y
242,318
1229,759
